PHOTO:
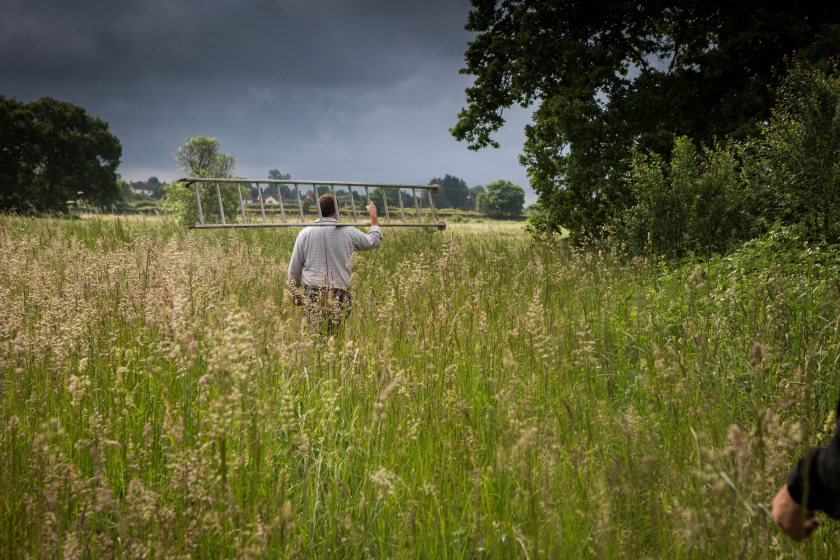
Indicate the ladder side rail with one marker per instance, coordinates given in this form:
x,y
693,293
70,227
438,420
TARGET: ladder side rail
x,y
302,182
236,225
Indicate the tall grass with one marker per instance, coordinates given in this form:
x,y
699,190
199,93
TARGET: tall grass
x,y
491,396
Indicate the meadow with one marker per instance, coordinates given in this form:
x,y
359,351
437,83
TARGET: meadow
x,y
491,396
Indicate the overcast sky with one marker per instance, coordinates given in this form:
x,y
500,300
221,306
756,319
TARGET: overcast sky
x,y
359,90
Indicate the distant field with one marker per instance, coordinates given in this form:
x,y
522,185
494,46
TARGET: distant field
x,y
492,396
490,227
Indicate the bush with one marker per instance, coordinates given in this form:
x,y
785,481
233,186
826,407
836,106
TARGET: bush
x,y
694,204
797,162
710,200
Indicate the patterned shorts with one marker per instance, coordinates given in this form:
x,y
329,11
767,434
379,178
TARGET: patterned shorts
x,y
326,307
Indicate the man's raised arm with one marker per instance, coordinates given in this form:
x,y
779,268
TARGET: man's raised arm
x,y
371,239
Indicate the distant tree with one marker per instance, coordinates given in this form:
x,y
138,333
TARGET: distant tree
x,y
604,77
126,196
200,157
472,196
285,190
452,194
392,198
52,152
157,187
502,199
276,175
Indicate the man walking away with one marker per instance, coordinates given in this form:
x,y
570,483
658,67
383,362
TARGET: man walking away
x,y
320,263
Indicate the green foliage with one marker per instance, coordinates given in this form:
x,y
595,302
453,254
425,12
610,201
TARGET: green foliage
x,y
126,196
200,157
286,191
391,196
693,204
797,161
453,192
52,152
276,175
472,196
605,77
157,187
710,201
502,200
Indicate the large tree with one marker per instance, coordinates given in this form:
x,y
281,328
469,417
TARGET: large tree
x,y
52,152
605,76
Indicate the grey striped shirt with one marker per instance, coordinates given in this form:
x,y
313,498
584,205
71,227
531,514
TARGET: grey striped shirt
x,y
321,256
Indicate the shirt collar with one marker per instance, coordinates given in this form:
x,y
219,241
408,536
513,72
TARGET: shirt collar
x,y
326,220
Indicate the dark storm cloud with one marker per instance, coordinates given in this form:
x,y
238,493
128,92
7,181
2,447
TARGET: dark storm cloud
x,y
298,42
361,90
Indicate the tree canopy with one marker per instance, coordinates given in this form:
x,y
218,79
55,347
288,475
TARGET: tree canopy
x,y
605,77
472,197
501,199
52,152
200,157
453,192
284,190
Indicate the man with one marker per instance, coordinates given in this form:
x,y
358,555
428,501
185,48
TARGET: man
x,y
321,264
813,485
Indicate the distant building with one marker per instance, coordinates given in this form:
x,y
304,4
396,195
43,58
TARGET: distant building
x,y
270,200
147,189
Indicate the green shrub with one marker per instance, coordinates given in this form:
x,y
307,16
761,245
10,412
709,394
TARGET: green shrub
x,y
708,201
694,204
796,165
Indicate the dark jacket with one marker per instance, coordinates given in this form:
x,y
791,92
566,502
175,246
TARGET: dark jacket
x,y
815,482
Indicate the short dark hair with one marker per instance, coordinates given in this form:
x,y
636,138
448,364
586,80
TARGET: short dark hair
x,y
327,203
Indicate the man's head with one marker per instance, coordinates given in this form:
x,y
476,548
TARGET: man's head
x,y
327,204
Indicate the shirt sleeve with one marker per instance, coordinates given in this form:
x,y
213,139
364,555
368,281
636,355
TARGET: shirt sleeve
x,y
367,241
296,262
815,482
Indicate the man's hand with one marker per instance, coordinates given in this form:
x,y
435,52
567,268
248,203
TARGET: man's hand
x,y
791,518
371,209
